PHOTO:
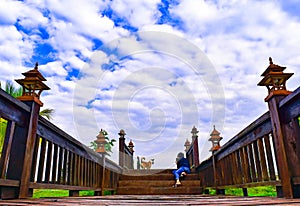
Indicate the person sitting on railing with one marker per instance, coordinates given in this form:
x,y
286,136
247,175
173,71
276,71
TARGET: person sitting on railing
x,y
183,168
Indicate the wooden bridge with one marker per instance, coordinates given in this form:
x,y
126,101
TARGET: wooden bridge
x,y
38,155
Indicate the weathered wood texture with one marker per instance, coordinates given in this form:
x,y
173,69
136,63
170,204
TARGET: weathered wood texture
x,y
267,152
193,153
36,154
178,199
125,154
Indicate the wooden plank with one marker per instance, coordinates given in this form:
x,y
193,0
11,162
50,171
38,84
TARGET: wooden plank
x,y
256,129
270,157
263,162
247,166
48,161
18,111
238,167
243,172
257,162
54,163
60,165
29,149
252,164
253,184
7,182
34,185
6,147
65,167
71,168
35,158
41,161
278,138
135,200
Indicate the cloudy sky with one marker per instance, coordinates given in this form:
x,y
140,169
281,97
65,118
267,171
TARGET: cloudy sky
x,y
153,68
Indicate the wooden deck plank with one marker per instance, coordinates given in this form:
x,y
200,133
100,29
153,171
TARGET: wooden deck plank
x,y
155,200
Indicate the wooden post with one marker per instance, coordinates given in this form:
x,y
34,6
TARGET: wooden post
x,y
122,148
286,154
30,145
282,162
103,174
195,146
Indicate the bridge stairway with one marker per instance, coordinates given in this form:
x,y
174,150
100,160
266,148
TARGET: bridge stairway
x,y
156,182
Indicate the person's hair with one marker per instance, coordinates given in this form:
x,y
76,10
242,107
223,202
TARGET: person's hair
x,y
180,155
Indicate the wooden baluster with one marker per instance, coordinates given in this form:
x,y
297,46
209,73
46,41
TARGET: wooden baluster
x,y
269,158
263,160
252,164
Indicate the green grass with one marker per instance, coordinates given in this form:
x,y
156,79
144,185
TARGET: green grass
x,y
252,191
40,193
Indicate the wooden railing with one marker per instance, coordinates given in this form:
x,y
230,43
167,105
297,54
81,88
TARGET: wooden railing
x,y
192,153
256,156
125,153
39,155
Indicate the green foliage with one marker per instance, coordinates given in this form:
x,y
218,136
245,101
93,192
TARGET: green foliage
x,y
47,113
109,143
3,125
260,191
12,90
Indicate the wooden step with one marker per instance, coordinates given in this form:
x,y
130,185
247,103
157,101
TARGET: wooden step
x,y
157,177
158,190
156,182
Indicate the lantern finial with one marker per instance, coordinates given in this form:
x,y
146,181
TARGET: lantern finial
x,y
36,65
275,80
32,85
270,60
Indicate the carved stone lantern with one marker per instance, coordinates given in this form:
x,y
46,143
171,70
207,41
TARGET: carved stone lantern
x,y
194,133
131,146
274,79
100,141
215,140
32,85
187,145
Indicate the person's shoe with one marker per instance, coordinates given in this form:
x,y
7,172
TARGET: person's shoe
x,y
178,183
183,174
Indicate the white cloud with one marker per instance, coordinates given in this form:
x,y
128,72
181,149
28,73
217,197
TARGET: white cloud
x,y
163,84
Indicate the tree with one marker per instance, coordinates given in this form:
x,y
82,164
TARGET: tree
x,y
109,143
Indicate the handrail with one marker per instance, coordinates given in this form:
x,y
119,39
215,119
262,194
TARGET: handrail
x,y
58,161
252,158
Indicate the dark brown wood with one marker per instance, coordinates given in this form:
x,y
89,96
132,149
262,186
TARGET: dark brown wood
x,y
30,145
257,161
71,168
263,162
269,158
48,161
6,147
55,163
35,159
66,168
247,166
42,160
252,165
278,137
60,166
176,199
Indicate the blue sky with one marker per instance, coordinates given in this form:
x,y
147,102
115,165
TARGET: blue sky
x,y
153,68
